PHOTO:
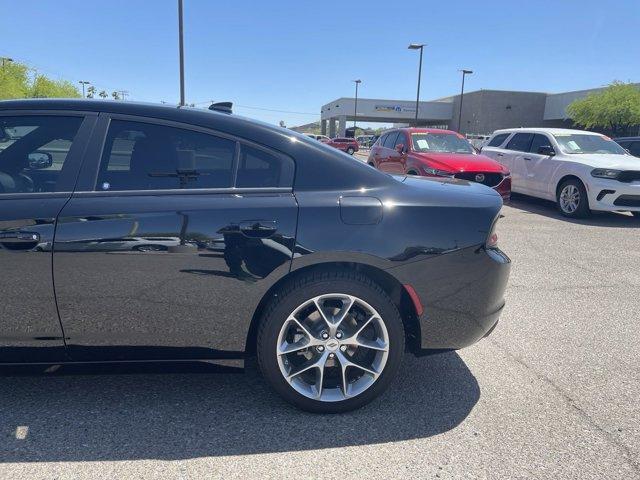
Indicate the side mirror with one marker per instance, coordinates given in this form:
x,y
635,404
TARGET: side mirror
x,y
400,148
546,150
40,160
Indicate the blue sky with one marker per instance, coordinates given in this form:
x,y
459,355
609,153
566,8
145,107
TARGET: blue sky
x,y
297,55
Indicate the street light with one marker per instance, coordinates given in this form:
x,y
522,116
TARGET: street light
x,y
418,46
6,60
181,47
464,72
355,108
83,82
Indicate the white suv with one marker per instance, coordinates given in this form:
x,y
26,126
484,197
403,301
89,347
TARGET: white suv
x,y
581,171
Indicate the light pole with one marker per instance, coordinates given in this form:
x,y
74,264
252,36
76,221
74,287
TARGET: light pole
x,y
83,83
181,44
355,108
6,60
418,46
464,72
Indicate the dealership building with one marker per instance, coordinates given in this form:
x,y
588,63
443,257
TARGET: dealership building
x,y
483,111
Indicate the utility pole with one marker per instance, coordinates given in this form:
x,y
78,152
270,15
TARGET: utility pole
x,y
418,46
464,72
123,94
355,108
181,46
6,60
83,82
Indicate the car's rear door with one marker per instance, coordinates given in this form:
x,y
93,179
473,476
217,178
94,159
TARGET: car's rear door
x,y
40,155
229,213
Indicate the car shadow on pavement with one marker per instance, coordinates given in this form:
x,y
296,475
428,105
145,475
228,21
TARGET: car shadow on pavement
x,y
88,417
548,209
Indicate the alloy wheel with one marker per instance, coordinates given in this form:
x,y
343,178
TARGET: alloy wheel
x,y
569,198
332,347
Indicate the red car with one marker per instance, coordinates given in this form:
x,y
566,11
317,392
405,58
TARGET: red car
x,y
348,145
433,152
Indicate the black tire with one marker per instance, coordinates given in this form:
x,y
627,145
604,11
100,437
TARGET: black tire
x,y
411,172
306,287
582,209
350,151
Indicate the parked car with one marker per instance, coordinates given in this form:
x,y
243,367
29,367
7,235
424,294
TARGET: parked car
x,y
365,141
437,153
631,144
326,275
581,171
320,138
348,145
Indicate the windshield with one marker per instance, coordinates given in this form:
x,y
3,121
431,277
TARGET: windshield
x,y
587,143
440,143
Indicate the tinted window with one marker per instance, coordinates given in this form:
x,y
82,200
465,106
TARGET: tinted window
x,y
498,139
390,141
33,151
539,141
400,139
381,140
520,142
142,156
258,168
634,148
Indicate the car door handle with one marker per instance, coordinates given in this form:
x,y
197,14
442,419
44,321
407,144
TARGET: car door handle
x,y
19,237
528,159
258,228
500,154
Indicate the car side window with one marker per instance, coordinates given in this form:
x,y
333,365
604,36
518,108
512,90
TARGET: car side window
x,y
498,140
145,156
33,150
400,140
390,141
634,148
520,142
381,140
538,141
260,169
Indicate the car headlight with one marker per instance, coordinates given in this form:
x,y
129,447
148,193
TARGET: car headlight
x,y
437,173
605,173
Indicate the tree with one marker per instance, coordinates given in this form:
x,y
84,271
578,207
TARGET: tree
x,y
91,91
115,95
103,94
616,108
15,82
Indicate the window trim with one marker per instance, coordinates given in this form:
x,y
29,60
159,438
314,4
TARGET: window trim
x,y
99,145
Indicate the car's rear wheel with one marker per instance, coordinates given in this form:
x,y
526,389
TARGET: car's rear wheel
x,y
350,150
572,199
330,341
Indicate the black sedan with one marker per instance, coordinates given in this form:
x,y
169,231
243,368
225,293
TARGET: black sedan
x,y
133,232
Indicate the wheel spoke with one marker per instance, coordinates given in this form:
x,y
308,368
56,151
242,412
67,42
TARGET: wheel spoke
x,y
318,363
346,363
344,311
318,303
372,344
303,328
287,347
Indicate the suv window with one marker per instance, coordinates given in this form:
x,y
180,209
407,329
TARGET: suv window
x,y
382,139
520,142
144,156
390,140
498,140
400,139
634,148
538,141
33,150
260,169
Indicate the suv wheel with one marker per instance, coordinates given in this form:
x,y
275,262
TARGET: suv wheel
x,y
572,199
350,150
330,341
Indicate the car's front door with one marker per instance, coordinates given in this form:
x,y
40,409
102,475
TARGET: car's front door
x,y
227,216
386,153
539,167
40,155
515,151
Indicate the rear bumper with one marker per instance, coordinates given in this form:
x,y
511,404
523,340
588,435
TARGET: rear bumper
x,y
462,293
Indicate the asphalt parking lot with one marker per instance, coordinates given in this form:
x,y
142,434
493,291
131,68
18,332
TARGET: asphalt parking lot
x,y
553,393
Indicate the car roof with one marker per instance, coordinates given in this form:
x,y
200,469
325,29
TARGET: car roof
x,y
566,131
627,138
427,130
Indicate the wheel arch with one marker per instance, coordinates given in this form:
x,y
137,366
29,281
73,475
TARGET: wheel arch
x,y
391,285
568,176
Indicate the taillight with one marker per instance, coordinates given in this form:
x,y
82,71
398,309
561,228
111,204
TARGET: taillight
x,y
492,238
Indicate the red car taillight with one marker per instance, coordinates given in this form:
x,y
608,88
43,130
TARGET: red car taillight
x,y
492,238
